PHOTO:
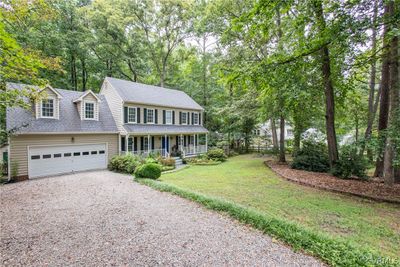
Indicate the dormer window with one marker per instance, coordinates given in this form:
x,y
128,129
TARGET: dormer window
x,y
47,107
89,110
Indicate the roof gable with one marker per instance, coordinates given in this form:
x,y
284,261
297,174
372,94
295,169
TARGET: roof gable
x,y
80,98
51,89
152,95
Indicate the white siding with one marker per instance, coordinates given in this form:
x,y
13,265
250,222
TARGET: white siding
x,y
114,102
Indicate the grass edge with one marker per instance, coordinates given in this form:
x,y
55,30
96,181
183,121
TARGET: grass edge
x,y
329,250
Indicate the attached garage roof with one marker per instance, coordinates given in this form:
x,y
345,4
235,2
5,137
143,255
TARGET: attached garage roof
x,y
164,129
152,95
69,121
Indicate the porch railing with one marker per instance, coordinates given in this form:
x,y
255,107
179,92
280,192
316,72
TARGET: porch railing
x,y
145,153
194,150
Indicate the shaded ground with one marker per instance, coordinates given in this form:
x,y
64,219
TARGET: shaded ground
x,y
247,181
103,218
371,189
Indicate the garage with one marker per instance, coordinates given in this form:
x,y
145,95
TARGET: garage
x,y
53,160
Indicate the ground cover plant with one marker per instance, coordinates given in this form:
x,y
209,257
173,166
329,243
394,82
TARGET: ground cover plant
x,y
246,181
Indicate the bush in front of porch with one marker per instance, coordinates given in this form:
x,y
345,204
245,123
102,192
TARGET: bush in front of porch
x,y
128,163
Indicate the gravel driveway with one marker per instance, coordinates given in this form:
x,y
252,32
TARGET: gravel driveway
x,y
103,218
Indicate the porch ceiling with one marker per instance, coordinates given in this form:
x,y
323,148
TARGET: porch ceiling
x,y
137,129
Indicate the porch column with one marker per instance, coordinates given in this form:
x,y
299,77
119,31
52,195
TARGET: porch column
x,y
180,143
206,142
166,145
148,143
126,143
194,143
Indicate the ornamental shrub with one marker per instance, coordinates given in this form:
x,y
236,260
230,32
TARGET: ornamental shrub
x,y
350,164
125,164
149,170
312,156
167,161
216,154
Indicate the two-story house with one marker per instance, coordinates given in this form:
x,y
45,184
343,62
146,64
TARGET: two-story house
x,y
67,131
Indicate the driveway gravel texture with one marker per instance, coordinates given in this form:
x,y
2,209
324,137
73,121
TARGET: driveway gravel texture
x,y
105,219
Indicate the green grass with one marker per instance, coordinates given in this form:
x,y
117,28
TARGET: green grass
x,y
245,180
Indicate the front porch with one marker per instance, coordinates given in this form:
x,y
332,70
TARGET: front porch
x,y
174,145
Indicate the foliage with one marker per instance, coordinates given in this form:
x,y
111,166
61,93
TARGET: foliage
x,y
216,154
350,163
312,156
167,161
148,170
246,181
125,163
167,168
332,251
202,160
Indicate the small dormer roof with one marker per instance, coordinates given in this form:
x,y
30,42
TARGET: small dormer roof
x,y
80,98
59,96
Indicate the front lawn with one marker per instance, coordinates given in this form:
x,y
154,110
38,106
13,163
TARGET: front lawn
x,y
247,181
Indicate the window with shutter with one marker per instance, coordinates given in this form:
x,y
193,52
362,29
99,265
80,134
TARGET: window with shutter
x,y
168,116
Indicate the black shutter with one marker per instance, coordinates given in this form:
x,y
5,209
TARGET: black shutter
x,y
123,145
200,123
163,116
130,143
125,114
177,142
188,118
180,117
184,140
145,115
173,117
156,115
138,115
192,118
135,144
141,143
152,142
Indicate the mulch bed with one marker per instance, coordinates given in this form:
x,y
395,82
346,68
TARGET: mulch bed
x,y
371,189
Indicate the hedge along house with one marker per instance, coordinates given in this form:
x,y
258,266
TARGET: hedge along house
x,y
64,131
152,119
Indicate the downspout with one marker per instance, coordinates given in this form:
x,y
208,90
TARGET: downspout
x,y
9,159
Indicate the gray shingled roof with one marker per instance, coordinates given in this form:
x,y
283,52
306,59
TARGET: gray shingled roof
x,y
69,117
152,95
164,129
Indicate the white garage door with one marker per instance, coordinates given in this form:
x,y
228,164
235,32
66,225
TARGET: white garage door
x,y
51,160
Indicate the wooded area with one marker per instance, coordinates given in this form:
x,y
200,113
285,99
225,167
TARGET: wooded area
x,y
329,65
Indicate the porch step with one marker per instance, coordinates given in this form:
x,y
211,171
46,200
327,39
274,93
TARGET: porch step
x,y
178,161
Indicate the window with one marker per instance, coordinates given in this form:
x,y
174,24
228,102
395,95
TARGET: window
x,y
67,154
77,153
184,118
47,156
196,118
85,153
48,108
89,110
93,152
102,152
130,144
57,155
150,116
290,132
131,115
35,157
168,117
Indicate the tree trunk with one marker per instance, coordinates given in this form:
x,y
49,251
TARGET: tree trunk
x,y
371,103
329,90
84,74
384,101
74,81
274,135
388,170
282,157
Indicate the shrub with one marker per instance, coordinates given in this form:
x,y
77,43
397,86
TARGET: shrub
x,y
202,161
216,154
149,170
312,156
167,161
350,164
126,163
